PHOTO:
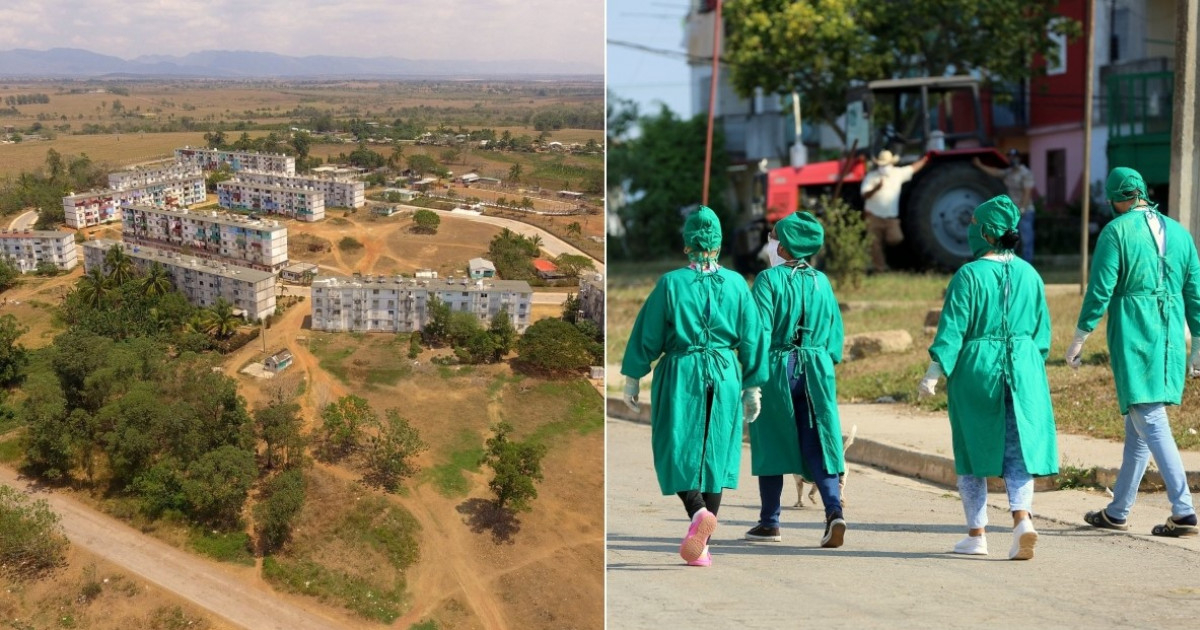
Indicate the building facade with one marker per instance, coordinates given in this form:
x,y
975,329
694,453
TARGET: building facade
x,y
398,304
203,282
304,204
591,298
92,207
212,159
237,240
26,249
142,176
344,192
176,186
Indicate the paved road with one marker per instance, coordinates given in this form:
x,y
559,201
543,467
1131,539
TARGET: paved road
x,y
202,582
24,221
893,572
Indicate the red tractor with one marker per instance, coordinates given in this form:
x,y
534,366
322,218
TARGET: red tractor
x,y
938,117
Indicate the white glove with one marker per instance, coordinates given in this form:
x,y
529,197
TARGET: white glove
x,y
632,387
1075,350
1194,358
751,403
928,385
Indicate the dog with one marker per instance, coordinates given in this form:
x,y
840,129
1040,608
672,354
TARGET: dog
x,y
812,492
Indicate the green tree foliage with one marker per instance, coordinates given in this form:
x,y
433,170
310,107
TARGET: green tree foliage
x,y
342,427
276,512
118,266
662,168
553,346
517,467
503,333
219,321
422,164
301,143
426,222
43,190
414,346
218,484
220,174
436,329
847,244
574,264
9,274
513,255
363,157
157,281
31,542
570,308
391,450
13,355
515,172
279,426
47,440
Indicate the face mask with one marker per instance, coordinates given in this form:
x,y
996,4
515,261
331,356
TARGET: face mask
x,y
979,245
773,252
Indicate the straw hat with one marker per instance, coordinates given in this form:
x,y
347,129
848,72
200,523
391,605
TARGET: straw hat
x,y
886,158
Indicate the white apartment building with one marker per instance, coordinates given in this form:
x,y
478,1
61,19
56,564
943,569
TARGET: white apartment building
x,y
250,291
344,192
212,159
174,187
234,239
142,176
26,249
92,207
398,304
591,298
305,204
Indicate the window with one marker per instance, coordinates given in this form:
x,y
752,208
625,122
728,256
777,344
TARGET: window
x,y
1058,66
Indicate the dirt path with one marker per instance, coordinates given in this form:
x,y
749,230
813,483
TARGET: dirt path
x,y
200,581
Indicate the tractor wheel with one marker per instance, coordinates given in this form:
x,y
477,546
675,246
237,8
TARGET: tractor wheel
x,y
940,209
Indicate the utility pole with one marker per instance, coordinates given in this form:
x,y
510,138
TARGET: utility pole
x,y
712,100
1087,148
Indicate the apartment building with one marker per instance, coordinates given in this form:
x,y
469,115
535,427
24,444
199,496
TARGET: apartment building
x,y
344,192
26,249
305,204
92,207
591,298
168,186
398,304
234,239
212,159
250,291
142,176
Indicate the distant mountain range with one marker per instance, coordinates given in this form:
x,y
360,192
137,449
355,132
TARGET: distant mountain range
x,y
234,64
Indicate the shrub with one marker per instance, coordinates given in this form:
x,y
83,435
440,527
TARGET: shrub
x,y
31,544
283,497
847,244
349,243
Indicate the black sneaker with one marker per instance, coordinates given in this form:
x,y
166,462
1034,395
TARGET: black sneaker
x,y
762,533
835,531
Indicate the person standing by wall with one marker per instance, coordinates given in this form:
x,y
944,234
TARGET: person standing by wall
x,y
702,327
881,200
1018,180
991,344
1146,274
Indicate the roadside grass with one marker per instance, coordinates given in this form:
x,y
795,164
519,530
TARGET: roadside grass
x,y
1085,400
373,360
10,450
570,408
459,456
231,547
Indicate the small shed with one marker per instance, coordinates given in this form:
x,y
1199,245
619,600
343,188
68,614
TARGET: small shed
x,y
546,270
279,361
384,211
481,268
570,194
427,273
424,184
403,195
296,272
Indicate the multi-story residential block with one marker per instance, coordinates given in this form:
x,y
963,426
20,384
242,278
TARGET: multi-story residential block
x,y
212,159
159,173
236,240
305,204
26,249
250,291
591,298
92,207
345,192
398,304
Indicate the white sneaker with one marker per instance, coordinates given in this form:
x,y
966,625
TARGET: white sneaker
x,y
972,546
1024,538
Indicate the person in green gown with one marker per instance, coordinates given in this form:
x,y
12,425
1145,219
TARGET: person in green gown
x,y
798,431
1145,273
701,326
991,345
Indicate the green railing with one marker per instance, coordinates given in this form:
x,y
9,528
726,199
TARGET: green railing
x,y
1139,113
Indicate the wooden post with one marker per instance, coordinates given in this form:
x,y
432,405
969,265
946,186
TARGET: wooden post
x,y
712,100
1088,90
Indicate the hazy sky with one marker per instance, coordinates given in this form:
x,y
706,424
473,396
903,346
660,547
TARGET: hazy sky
x,y
565,30
649,78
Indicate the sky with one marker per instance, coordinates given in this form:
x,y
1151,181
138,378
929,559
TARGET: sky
x,y
564,30
644,77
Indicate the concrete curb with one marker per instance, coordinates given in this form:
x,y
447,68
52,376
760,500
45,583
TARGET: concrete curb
x,y
931,467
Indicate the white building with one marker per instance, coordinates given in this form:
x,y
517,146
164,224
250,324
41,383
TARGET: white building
x,y
175,186
305,204
250,291
237,240
398,304
142,176
26,249
591,298
344,192
92,207
212,159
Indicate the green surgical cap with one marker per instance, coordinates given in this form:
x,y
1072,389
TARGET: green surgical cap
x,y
997,216
1124,184
702,230
800,234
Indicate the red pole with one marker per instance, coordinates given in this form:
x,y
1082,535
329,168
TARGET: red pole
x,y
712,100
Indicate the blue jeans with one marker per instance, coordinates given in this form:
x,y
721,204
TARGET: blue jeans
x,y
1148,432
1017,480
1025,229
770,487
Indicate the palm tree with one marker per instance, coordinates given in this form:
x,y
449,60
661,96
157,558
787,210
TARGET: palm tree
x,y
195,324
118,264
219,321
396,156
94,288
514,173
575,229
157,281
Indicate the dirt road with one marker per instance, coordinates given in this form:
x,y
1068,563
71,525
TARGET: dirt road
x,y
202,582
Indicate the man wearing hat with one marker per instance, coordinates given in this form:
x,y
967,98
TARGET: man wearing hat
x,y
702,327
1146,274
881,199
1018,180
798,431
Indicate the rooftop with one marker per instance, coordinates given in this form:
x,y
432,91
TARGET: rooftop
x,y
7,233
213,267
431,284
212,216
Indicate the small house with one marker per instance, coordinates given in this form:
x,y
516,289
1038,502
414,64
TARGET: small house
x,y
546,270
384,211
427,273
401,195
481,268
278,362
298,272
424,184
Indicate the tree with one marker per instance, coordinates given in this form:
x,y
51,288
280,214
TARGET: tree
x,y
391,451
301,143
574,264
396,155
13,356
436,329
574,229
414,346
504,334
421,163
157,281
94,288
33,543
218,484
9,274
517,466
215,139
426,221
278,425
275,513
514,172
219,321
342,425
363,157
555,347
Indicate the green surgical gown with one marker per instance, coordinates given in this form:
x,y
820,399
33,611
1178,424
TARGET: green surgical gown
x,y
1147,305
985,341
704,331
789,302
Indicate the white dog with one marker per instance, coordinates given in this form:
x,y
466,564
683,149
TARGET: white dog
x,y
812,492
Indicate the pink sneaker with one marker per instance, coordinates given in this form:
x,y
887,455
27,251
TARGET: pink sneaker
x,y
704,523
705,559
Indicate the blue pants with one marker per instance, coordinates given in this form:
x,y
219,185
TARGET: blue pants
x,y
1025,229
1017,480
1148,432
770,487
